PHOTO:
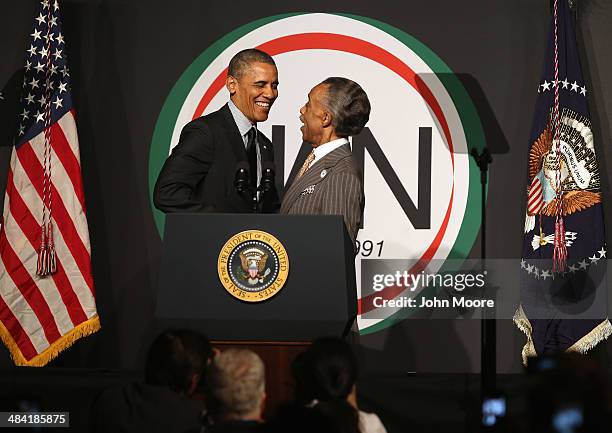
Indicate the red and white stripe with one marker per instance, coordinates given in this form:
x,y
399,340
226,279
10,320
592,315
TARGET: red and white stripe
x,y
535,199
36,311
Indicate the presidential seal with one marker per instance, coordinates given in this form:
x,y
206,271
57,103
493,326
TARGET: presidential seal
x,y
253,266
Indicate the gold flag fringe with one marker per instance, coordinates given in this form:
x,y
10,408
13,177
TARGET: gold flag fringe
x,y
600,333
522,323
82,330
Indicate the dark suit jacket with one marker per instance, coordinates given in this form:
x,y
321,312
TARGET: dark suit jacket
x,y
331,186
199,174
237,426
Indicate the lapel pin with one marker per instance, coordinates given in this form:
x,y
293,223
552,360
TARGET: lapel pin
x,y
323,174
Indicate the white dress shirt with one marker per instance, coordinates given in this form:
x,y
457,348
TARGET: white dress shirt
x,y
325,148
244,125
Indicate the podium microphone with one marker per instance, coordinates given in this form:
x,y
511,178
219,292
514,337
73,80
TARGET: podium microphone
x,y
242,179
267,176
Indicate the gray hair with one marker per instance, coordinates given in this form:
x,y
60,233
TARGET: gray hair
x,y
236,383
349,105
243,59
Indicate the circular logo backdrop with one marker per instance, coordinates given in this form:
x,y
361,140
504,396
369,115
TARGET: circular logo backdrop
x,y
421,186
253,266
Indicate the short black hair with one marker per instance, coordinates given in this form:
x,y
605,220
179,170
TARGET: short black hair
x,y
326,371
324,376
349,105
175,356
242,60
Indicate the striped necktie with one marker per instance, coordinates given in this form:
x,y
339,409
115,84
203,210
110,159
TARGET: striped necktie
x,y
306,166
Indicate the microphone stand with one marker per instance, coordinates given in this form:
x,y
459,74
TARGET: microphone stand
x,y
488,349
242,184
266,183
254,202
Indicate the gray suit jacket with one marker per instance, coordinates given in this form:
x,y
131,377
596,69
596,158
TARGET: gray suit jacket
x,y
331,186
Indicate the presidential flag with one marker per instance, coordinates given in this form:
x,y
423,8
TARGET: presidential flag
x,y
563,299
46,286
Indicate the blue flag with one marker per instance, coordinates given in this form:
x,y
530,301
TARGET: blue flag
x,y
563,266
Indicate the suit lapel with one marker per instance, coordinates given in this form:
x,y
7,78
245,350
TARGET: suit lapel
x,y
314,175
235,139
265,147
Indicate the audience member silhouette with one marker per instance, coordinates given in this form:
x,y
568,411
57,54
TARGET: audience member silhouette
x,y
167,402
235,391
325,376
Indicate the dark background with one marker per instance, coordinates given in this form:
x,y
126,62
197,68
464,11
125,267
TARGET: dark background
x,y
126,55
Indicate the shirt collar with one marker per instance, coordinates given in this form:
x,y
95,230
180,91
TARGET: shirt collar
x,y
325,148
242,122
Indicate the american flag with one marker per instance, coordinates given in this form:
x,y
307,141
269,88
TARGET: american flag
x,y
47,297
